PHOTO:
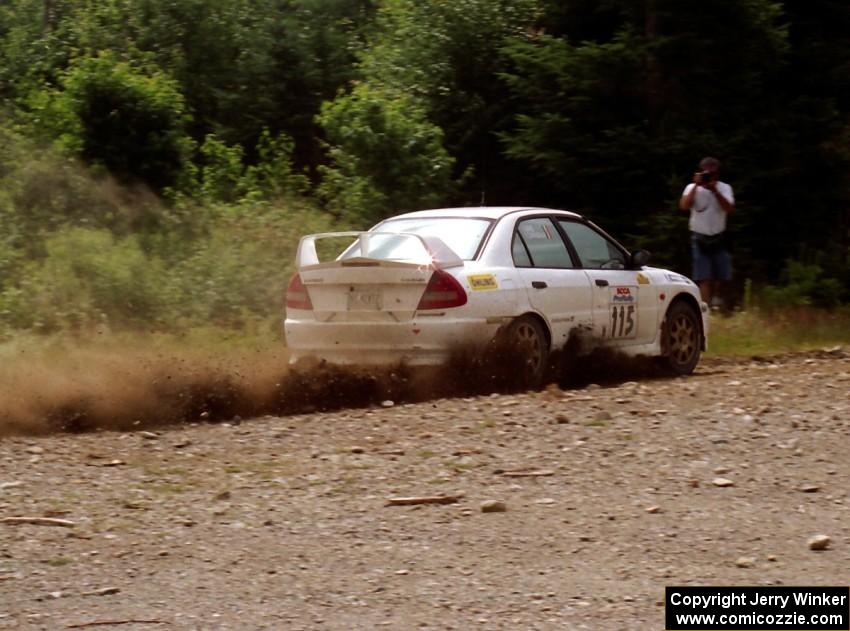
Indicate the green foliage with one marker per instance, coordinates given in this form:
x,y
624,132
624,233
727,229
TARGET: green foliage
x,y
242,66
78,251
11,258
241,268
87,277
32,53
221,171
42,191
386,156
803,284
129,122
585,119
235,272
443,52
607,105
784,328
225,177
190,128
273,175
447,55
316,42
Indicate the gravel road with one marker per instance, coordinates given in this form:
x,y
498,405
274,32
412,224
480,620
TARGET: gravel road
x,y
611,493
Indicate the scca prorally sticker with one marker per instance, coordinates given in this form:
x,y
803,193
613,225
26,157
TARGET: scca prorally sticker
x,y
622,294
482,282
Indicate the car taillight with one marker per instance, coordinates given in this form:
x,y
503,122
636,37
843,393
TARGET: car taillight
x,y
296,294
442,292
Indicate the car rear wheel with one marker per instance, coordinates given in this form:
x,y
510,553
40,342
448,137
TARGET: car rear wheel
x,y
527,338
682,338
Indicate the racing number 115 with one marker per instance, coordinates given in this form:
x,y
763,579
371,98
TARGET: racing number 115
x,y
622,320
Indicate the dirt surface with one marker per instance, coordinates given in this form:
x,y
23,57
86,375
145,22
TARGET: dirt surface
x,y
282,522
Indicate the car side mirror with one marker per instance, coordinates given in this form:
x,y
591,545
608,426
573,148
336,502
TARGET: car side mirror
x,y
639,258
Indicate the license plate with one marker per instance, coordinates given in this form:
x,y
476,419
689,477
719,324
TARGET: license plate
x,y
364,301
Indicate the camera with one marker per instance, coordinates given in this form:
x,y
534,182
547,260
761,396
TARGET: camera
x,y
705,177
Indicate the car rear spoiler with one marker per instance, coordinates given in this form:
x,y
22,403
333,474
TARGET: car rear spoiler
x,y
436,252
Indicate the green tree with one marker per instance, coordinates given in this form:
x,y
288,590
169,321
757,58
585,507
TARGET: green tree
x,y
315,51
582,122
447,55
804,185
616,102
32,52
242,66
128,121
385,155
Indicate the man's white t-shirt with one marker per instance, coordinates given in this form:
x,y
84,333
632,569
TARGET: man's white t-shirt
x,y
707,215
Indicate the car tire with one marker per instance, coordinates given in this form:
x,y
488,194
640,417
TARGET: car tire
x,y
527,338
682,338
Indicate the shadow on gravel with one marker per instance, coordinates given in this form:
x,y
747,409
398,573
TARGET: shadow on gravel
x,y
127,391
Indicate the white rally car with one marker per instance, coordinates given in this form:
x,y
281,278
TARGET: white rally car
x,y
418,286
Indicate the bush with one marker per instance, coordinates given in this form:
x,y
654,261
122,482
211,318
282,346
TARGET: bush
x,y
43,192
233,272
225,178
128,120
803,284
88,277
240,269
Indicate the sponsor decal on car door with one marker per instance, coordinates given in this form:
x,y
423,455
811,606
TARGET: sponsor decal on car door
x,y
623,312
624,309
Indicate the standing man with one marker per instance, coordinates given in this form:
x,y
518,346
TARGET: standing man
x,y
709,201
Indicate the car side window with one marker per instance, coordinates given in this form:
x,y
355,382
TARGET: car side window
x,y
520,254
544,244
594,250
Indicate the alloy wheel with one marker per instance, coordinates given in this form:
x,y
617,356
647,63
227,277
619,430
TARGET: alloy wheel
x,y
528,340
683,338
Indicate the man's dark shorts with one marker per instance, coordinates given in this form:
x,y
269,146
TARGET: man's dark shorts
x,y
711,261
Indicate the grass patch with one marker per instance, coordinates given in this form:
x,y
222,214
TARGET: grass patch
x,y
779,330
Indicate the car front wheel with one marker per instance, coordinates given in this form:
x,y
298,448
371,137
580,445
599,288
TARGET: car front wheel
x,y
682,339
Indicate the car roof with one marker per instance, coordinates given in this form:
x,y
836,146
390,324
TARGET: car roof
x,y
484,212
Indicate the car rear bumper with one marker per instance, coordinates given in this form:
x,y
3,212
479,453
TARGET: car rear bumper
x,y
428,343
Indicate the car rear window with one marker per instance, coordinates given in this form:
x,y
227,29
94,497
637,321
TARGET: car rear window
x,y
461,234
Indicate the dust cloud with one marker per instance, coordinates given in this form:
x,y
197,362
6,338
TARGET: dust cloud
x,y
82,389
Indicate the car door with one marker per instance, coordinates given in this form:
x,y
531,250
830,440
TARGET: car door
x,y
556,289
625,307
